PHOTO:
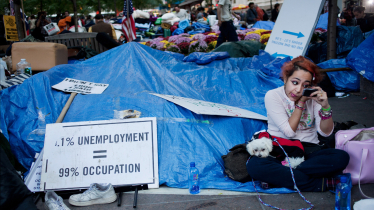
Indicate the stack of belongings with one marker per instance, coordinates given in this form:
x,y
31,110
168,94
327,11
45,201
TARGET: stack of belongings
x,y
142,20
168,20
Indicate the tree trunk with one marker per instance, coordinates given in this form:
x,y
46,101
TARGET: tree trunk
x,y
115,7
331,31
75,15
19,21
99,7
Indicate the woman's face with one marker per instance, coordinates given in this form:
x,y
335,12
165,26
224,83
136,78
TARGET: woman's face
x,y
295,84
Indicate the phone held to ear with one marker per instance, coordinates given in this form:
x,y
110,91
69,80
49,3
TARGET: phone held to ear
x,y
308,91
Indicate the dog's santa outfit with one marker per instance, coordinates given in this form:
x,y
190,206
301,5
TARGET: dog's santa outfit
x,y
293,147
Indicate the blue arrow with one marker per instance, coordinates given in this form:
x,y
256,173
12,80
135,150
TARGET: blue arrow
x,y
299,35
282,55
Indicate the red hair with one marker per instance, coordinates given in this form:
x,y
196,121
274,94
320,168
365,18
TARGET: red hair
x,y
304,64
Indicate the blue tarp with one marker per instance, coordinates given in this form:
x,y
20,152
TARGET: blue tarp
x,y
267,25
342,80
323,21
132,72
361,59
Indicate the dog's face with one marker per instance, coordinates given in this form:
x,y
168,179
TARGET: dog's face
x,y
260,147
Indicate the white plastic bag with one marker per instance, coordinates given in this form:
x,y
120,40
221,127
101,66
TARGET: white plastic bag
x,y
51,28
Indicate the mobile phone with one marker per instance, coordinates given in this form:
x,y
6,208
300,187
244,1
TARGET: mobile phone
x,y
308,91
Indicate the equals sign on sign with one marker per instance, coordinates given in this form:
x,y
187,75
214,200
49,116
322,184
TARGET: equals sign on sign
x,y
99,154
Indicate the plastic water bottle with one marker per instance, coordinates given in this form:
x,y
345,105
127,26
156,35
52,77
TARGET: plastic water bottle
x,y
193,179
23,67
343,195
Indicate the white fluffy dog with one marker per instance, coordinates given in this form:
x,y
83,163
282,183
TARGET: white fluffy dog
x,y
262,146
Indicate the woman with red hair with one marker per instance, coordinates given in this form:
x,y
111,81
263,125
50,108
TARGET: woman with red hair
x,y
291,115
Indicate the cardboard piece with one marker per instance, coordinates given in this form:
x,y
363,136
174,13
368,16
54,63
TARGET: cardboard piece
x,y
294,28
209,108
120,152
80,86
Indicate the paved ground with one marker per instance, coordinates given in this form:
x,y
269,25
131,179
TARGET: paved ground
x,y
353,108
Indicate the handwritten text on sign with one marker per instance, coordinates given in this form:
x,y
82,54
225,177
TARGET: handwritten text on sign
x,y
80,86
120,152
209,108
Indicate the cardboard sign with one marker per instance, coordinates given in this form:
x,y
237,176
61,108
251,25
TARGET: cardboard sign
x,y
120,152
294,28
11,33
80,86
33,178
209,108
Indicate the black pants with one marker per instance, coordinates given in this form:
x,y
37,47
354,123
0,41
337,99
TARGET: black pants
x,y
228,33
309,175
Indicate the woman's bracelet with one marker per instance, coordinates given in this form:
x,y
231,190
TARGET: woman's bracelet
x,y
326,110
325,115
299,107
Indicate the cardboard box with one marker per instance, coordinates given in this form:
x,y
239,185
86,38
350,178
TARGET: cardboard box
x,y
41,55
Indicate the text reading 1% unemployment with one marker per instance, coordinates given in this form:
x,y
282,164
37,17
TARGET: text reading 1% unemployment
x,y
65,172
69,142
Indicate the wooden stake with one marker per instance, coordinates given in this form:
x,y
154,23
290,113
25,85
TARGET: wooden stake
x,y
66,107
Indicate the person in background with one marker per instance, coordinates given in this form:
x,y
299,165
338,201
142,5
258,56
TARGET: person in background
x,y
260,13
347,17
64,25
181,13
210,11
251,14
32,23
83,20
66,14
225,23
275,12
72,26
39,32
200,13
365,21
243,15
100,26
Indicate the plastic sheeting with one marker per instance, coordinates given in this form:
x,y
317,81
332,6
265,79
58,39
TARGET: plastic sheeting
x,y
132,72
323,21
347,38
361,59
267,25
205,58
342,80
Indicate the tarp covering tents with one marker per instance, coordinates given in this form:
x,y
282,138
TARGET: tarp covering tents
x,y
361,60
132,72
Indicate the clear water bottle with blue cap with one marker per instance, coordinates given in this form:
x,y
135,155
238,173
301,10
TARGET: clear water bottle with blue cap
x,y
193,179
343,195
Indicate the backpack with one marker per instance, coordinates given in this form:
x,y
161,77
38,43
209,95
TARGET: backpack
x,y
235,163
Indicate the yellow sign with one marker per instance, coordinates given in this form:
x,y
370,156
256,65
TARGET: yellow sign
x,y
11,33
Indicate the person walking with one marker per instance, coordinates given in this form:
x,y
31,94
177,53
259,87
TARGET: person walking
x,y
225,23
100,26
275,12
251,14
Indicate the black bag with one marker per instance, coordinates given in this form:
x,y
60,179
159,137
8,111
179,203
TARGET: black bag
x,y
235,163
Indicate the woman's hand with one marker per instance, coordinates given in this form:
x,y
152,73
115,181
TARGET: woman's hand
x,y
320,97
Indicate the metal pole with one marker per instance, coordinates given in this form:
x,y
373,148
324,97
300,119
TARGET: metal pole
x,y
331,33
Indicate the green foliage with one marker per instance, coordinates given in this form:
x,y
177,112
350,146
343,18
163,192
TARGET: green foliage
x,y
83,6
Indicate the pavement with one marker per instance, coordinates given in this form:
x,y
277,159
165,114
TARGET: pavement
x,y
353,107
